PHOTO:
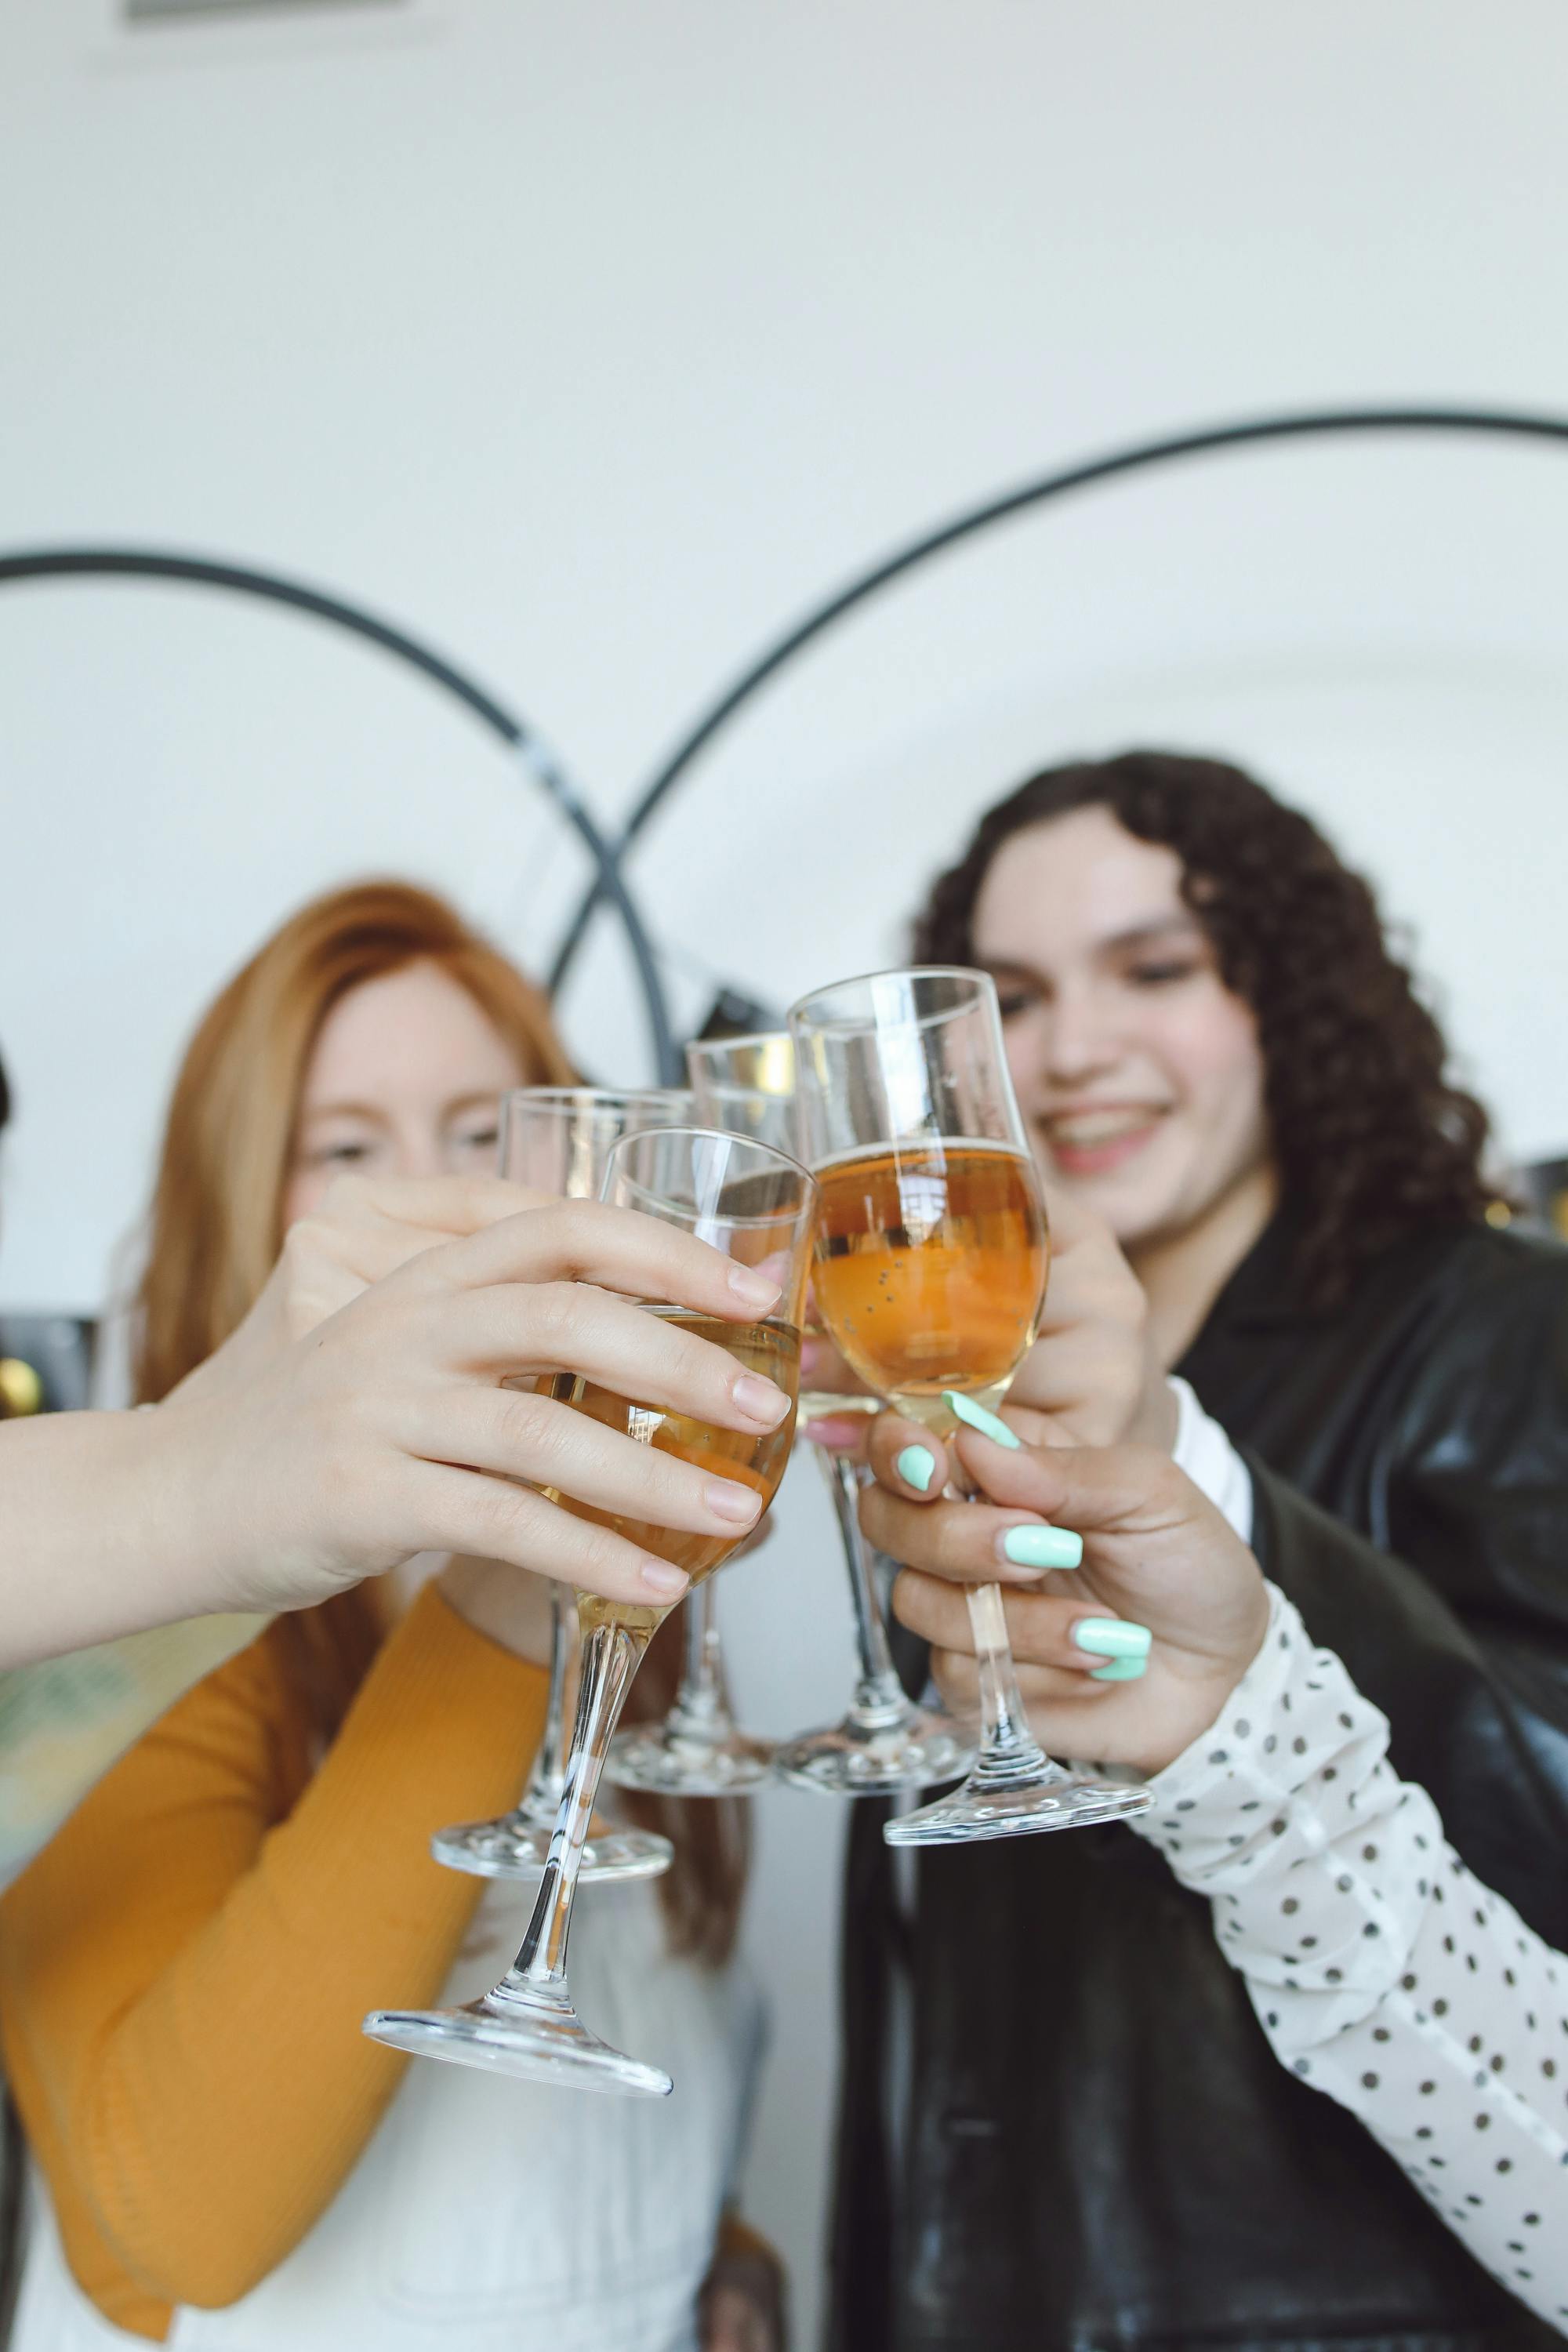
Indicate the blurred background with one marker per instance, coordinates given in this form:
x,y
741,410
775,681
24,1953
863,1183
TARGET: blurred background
x,y
594,346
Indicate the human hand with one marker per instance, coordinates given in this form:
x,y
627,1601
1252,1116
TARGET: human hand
x,y
365,1227
386,1431
1173,1599
1092,1377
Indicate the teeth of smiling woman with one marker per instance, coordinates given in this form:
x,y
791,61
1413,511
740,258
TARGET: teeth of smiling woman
x,y
1096,1127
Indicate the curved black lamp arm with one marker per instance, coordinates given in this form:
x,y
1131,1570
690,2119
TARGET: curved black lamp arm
x,y
539,760
977,518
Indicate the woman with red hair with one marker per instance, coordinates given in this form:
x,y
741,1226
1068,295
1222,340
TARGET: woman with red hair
x,y
183,1973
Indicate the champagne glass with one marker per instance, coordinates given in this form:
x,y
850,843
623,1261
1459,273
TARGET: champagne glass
x,y
698,1751
883,1742
757,1207
930,1275
557,1140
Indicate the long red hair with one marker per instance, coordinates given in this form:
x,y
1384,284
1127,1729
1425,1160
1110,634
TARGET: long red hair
x,y
216,1227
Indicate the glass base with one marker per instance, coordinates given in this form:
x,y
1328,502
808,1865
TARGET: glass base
x,y
983,1808
675,1764
862,1757
515,1847
538,2042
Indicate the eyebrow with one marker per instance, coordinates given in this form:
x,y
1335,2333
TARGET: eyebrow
x,y
373,1112
1136,935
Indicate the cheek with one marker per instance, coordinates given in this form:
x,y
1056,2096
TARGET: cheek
x,y
1209,1048
302,1194
1024,1043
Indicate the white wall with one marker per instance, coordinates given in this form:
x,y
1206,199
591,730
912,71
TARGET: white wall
x,y
594,343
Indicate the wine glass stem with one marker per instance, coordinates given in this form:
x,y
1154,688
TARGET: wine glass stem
x,y
880,1692
611,1655
541,1795
1007,1748
699,1704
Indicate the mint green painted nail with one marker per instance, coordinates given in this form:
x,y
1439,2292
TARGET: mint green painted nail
x,y
1112,1637
915,1466
1121,1670
965,1409
1043,1546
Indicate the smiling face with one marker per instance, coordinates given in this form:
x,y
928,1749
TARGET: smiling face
x,y
404,1080
1138,1070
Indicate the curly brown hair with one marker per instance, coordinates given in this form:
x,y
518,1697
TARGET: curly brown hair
x,y
1370,1137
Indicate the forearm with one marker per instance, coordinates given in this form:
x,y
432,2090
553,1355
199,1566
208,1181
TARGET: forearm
x,y
103,1533
1382,1972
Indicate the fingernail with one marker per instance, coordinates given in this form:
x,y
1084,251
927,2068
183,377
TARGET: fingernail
x,y
728,1499
914,1466
1121,1670
1043,1546
755,1289
836,1432
663,1581
965,1409
760,1400
1112,1637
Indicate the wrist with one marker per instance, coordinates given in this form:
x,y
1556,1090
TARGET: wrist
x,y
207,1545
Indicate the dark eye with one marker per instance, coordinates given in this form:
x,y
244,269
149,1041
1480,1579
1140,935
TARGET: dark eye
x,y
1015,1000
1160,976
341,1155
480,1139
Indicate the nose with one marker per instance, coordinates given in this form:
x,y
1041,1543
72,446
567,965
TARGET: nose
x,y
417,1149
1076,1041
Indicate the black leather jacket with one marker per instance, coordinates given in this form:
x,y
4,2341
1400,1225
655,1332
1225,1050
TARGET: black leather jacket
x,y
1101,2152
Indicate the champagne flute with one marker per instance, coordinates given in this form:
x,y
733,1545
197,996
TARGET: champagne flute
x,y
557,1140
883,1742
757,1207
930,1275
698,1751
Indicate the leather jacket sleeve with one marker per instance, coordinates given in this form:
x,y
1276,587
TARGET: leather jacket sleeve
x,y
1469,1657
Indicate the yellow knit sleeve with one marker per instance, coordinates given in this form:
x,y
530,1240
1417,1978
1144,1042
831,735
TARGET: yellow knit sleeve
x,y
183,1971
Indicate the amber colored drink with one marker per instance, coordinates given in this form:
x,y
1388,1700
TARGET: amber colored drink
x,y
930,1267
772,1348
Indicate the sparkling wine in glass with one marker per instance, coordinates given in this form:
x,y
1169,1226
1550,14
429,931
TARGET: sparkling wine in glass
x,y
757,1206
883,1742
930,1275
558,1140
699,1749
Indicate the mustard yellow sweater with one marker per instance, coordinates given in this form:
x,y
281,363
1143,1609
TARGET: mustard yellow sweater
x,y
183,1970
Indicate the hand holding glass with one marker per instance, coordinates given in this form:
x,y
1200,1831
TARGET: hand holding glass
x,y
557,1140
930,1275
757,1208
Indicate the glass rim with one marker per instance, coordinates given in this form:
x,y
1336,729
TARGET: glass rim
x,y
588,1097
745,1037
714,1135
798,1012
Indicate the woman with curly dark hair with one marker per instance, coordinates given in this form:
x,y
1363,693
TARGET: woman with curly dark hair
x,y
1064,2124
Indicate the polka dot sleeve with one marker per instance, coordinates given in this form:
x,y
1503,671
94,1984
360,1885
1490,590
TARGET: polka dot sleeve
x,y
1381,1971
